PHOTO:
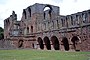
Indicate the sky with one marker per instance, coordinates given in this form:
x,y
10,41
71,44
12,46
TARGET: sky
x,y
67,7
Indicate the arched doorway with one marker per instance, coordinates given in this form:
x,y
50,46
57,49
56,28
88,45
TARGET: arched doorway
x,y
20,43
75,41
55,42
65,43
47,43
40,43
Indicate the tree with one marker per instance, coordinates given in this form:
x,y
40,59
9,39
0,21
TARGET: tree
x,y
1,33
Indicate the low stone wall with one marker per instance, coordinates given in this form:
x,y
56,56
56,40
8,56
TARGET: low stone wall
x,y
6,44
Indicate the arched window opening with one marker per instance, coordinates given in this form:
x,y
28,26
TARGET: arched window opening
x,y
65,43
48,9
24,12
47,43
63,22
67,21
55,42
31,29
72,20
20,43
75,41
27,30
29,9
40,42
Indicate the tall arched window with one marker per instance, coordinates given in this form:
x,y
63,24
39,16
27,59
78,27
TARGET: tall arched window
x,y
71,20
24,12
29,10
27,30
48,9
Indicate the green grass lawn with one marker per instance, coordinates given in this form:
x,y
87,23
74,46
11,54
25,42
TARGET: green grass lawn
x,y
42,55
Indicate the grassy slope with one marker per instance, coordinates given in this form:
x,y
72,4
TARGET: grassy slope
x,y
42,55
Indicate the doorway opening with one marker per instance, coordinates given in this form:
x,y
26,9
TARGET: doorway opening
x,y
55,42
47,43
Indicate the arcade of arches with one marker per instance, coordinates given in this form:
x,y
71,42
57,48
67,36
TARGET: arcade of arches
x,y
55,42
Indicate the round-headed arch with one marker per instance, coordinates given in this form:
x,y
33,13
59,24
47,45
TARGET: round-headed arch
x,y
20,43
75,40
47,42
65,43
40,42
29,10
24,12
55,42
49,8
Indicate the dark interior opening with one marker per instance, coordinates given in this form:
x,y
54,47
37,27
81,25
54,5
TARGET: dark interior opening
x,y
20,43
40,43
47,43
55,42
65,43
29,9
31,29
24,12
27,29
74,40
33,45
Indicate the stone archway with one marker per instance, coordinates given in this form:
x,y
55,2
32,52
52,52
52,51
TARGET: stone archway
x,y
40,42
75,41
55,42
65,43
20,43
47,43
47,8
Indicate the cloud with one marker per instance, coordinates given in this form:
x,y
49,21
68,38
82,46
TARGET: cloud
x,y
3,1
57,1
72,6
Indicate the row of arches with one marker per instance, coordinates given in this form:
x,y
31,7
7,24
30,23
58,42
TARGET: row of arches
x,y
55,42
46,40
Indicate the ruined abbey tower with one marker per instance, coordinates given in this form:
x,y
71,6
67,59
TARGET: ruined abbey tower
x,y
46,29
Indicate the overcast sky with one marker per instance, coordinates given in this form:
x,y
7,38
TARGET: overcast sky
x,y
67,7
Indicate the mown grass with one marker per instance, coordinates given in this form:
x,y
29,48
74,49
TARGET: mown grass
x,y
42,55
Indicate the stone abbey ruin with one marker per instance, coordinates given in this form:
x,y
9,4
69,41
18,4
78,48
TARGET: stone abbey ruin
x,y
41,28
